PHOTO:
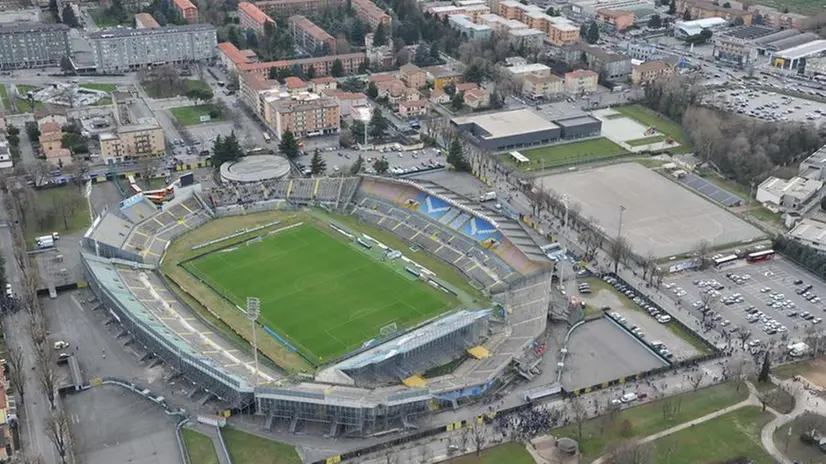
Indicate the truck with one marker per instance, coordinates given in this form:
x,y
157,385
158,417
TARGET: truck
x,y
45,243
53,236
487,196
798,349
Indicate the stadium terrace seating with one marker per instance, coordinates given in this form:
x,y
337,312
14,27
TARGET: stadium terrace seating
x,y
479,229
432,206
151,236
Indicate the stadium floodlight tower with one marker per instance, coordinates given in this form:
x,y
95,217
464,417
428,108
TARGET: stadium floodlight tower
x,y
253,311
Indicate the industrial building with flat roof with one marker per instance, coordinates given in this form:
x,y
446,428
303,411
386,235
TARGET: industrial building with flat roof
x,y
683,29
794,58
507,130
791,194
810,233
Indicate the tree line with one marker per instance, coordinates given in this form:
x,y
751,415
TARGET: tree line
x,y
804,255
742,148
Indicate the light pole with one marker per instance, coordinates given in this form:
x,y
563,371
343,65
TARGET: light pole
x,y
253,310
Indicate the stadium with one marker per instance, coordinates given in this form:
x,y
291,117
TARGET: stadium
x,y
368,287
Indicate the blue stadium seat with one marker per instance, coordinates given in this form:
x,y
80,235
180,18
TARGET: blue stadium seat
x,y
479,229
433,207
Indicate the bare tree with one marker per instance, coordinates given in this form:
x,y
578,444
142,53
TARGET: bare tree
x,y
591,239
648,264
631,452
16,373
480,438
37,328
28,459
580,414
424,453
743,333
57,428
46,375
738,370
768,397
702,252
464,436
619,251
696,380
669,408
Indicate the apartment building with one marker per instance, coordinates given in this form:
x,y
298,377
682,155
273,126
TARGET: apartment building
x,y
132,141
500,24
540,86
322,65
701,9
440,76
347,100
776,19
287,8
371,13
251,18
306,115
581,81
295,85
322,84
468,28
650,71
413,108
32,45
619,20
413,76
230,57
529,38
616,67
734,51
477,98
560,31
145,21
187,10
117,50
311,37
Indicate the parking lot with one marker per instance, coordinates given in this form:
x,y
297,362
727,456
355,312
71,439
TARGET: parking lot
x,y
769,287
340,159
769,106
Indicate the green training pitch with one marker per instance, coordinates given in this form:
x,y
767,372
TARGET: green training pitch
x,y
323,295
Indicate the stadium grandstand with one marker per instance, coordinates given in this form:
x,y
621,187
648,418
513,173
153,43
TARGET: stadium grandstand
x,y
377,388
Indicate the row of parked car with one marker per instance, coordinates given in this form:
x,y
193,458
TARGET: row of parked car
x,y
631,293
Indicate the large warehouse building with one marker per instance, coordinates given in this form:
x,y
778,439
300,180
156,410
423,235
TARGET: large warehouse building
x,y
508,130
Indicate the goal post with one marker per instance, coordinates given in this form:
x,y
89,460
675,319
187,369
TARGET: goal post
x,y
388,330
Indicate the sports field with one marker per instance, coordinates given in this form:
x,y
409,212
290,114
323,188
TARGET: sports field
x,y
323,295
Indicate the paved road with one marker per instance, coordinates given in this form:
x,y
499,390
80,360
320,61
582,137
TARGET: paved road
x,y
35,408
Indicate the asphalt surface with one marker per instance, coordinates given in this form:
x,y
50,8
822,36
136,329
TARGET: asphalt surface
x,y
777,275
599,350
759,104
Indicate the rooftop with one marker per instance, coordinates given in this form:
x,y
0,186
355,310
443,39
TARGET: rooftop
x,y
576,121
185,4
147,20
21,26
801,51
810,231
293,82
310,27
254,12
128,32
507,123
529,68
796,187
654,65
602,55
525,32
410,69
779,35
579,73
750,32
794,41
232,52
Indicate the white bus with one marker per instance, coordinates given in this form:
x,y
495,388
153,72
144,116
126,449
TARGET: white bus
x,y
267,137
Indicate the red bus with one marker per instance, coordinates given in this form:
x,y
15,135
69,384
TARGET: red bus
x,y
760,256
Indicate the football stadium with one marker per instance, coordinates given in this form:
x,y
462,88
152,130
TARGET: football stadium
x,y
367,289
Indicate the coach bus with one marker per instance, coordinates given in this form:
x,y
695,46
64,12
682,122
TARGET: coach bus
x,y
725,261
760,256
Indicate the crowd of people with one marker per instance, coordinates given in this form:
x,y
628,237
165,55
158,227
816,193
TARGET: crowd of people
x,y
524,424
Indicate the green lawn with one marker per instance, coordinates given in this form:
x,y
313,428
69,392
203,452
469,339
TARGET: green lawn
x,y
790,443
509,453
798,368
736,434
308,274
598,435
45,199
649,118
4,96
101,87
569,153
190,115
245,448
24,88
102,20
105,101
646,140
200,447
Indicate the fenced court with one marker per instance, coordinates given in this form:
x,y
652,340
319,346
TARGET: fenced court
x,y
321,293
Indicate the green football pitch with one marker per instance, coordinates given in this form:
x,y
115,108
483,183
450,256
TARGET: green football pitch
x,y
323,295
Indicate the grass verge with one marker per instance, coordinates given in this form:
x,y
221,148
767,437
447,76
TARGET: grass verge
x,y
190,115
650,118
246,448
510,453
100,87
733,435
601,433
646,140
788,441
199,447
569,153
